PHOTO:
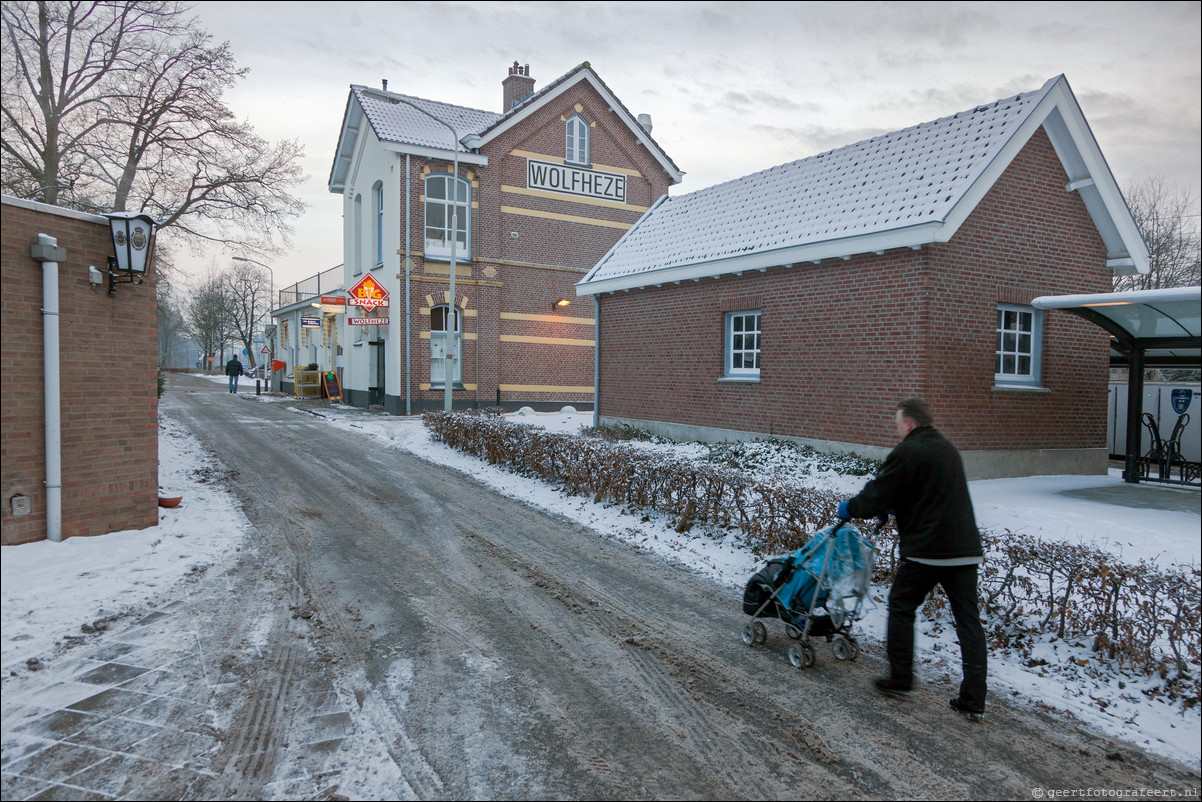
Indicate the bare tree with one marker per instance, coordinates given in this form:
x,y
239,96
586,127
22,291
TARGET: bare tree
x,y
247,295
1168,220
205,316
118,106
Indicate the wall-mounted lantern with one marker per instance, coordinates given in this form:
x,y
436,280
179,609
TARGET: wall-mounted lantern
x,y
133,246
560,304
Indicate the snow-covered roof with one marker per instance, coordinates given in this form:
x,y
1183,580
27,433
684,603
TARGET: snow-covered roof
x,y
902,189
396,122
402,128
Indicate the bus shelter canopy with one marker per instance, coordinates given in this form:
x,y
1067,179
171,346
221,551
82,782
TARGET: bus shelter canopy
x,y
1164,325
1148,329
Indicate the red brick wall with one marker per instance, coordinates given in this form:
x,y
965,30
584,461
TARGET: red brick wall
x,y
108,385
842,341
526,274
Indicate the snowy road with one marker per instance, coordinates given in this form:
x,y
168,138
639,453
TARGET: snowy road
x,y
483,649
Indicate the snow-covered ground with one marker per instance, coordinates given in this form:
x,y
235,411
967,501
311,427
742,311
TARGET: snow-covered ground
x,y
49,590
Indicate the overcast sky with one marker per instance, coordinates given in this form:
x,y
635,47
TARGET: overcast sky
x,y
732,88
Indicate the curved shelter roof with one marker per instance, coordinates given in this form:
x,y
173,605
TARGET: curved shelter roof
x,y
1165,325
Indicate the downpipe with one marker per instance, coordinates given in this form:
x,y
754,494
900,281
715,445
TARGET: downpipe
x,y
48,246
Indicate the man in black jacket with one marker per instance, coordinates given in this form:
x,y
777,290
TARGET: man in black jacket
x,y
233,369
922,483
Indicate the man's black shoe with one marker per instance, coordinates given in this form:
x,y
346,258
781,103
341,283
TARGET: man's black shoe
x,y
892,687
967,712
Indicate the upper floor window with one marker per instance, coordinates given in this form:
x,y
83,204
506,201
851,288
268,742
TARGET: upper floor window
x,y
1016,359
447,207
576,151
743,345
378,197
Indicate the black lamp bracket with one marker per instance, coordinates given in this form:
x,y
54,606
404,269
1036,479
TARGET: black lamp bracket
x,y
116,278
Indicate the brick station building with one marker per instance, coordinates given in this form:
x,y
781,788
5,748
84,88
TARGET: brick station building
x,y
805,300
549,184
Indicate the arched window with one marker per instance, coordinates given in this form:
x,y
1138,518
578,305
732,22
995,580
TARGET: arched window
x,y
576,150
447,205
443,342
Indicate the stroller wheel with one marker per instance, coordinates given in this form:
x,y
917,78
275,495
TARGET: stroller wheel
x,y
748,635
792,631
801,655
845,648
759,631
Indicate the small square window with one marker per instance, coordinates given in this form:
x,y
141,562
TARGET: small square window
x,y
1017,345
742,358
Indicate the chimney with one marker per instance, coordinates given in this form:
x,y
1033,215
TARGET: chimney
x,y
385,82
518,86
645,122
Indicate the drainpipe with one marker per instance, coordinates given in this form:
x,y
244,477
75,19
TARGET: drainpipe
x,y
49,254
596,360
408,348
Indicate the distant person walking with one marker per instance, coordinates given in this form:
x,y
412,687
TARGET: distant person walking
x,y
233,369
922,483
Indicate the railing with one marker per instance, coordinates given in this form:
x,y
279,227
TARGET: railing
x,y
326,281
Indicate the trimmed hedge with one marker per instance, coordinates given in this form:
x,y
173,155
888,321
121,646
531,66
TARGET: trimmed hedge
x,y
1141,618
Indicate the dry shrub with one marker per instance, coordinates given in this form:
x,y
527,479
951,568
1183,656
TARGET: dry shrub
x,y
1141,617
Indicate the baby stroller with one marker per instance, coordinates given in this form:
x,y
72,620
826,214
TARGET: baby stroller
x,y
818,591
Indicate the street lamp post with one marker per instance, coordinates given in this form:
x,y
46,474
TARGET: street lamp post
x,y
448,374
270,306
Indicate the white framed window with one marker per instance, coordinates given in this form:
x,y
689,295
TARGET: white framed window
x,y
447,205
1019,339
743,344
576,149
378,198
443,342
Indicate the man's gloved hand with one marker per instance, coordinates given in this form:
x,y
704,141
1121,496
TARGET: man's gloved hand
x,y
842,513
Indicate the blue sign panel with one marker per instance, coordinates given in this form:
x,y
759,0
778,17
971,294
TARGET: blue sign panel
x,y
1182,396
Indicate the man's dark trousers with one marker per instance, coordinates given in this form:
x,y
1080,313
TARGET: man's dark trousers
x,y
910,587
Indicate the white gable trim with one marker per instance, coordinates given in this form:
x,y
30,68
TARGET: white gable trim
x,y
1056,111
348,140
551,93
1060,116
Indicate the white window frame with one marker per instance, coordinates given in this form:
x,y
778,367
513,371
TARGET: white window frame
x,y
438,338
378,198
1017,348
738,349
576,140
440,247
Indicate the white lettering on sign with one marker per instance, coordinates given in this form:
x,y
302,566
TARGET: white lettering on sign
x,y
575,181
367,321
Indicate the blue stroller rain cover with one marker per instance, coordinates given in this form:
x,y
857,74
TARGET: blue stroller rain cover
x,y
846,558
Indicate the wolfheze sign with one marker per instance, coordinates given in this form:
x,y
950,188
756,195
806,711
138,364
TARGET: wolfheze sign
x,y
367,294
575,181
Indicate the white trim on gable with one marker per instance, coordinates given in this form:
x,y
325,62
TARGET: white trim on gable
x,y
585,73
1055,110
